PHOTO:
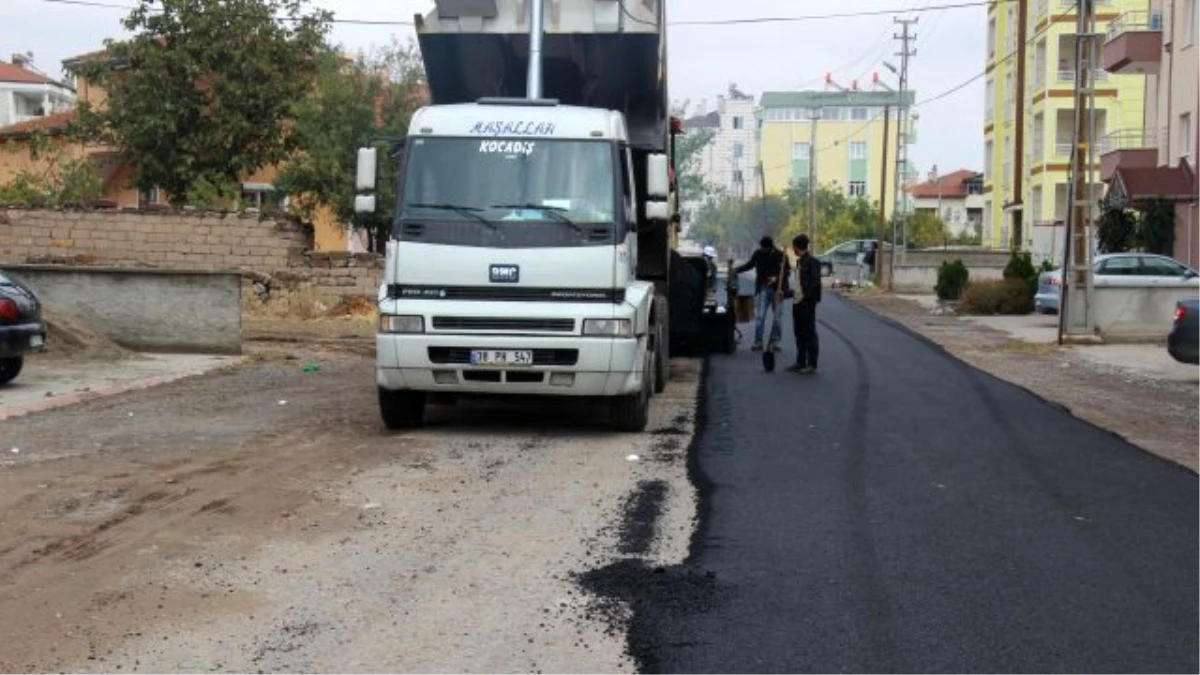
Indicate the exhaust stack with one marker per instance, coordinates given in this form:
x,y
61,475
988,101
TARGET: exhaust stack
x,y
534,80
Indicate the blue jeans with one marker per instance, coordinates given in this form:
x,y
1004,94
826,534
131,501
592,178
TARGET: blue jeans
x,y
763,301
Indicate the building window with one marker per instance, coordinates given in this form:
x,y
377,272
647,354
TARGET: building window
x,y
260,197
991,39
858,149
832,114
858,114
1185,134
858,188
988,172
800,151
989,97
737,123
738,150
1189,22
147,197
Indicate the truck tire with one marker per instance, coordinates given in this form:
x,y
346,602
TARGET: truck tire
x,y
10,368
662,344
731,340
632,413
401,409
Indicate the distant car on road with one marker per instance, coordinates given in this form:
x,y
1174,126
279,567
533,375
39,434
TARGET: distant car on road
x,y
1137,269
1183,344
21,327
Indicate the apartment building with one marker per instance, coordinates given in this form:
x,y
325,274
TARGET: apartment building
x,y
1048,123
1156,157
730,161
842,131
26,94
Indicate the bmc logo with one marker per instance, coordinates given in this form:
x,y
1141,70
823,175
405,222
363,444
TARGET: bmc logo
x,y
505,274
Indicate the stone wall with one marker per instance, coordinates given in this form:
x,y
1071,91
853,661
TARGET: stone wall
x,y
281,274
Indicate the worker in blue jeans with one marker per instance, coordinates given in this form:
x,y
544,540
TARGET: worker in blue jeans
x,y
768,263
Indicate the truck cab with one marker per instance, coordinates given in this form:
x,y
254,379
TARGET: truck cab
x,y
512,268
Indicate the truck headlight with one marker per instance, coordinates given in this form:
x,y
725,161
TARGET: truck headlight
x,y
391,323
608,327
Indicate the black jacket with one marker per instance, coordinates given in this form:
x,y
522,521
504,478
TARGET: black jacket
x,y
766,263
809,269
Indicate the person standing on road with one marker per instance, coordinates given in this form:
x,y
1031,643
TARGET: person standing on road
x,y
770,266
807,283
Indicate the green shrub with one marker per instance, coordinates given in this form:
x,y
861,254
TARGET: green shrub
x,y
952,278
1020,266
997,296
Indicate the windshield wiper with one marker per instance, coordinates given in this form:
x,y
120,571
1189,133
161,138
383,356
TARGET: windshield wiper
x,y
555,211
472,211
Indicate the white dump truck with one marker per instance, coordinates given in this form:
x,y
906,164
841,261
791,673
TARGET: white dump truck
x,y
531,245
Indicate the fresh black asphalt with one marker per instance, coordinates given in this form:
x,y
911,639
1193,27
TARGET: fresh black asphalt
x,y
901,511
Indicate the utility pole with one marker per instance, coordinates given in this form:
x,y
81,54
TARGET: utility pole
x,y
1018,197
1076,320
813,115
879,248
906,37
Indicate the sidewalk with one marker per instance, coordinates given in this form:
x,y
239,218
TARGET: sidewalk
x,y
48,383
1134,390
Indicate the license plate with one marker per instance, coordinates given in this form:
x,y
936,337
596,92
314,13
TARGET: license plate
x,y
36,341
501,357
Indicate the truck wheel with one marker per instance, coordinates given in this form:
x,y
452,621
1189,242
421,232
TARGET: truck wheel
x,y
662,344
401,409
632,413
10,368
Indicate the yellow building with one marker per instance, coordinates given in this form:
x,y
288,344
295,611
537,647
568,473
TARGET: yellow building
x,y
846,128
1049,118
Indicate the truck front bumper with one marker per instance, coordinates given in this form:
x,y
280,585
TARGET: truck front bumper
x,y
561,367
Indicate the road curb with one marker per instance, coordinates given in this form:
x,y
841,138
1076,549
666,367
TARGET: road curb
x,y
105,392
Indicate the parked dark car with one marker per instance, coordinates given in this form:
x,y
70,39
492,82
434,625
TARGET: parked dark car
x,y
1184,342
21,327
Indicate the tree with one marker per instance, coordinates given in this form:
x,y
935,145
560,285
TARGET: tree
x,y
62,179
925,230
1116,229
201,96
688,145
1156,232
352,105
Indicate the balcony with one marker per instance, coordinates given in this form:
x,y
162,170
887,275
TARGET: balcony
x,y
1128,148
1066,78
1062,149
1134,44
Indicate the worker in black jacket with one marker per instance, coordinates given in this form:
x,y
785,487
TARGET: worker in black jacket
x,y
807,283
769,263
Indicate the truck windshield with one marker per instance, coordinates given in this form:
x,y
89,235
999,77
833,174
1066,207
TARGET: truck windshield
x,y
566,182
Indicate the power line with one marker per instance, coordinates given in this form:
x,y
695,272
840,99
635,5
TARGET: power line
x,y
697,22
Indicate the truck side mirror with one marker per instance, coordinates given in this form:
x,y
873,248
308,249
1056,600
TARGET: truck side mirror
x,y
368,163
658,178
364,203
657,211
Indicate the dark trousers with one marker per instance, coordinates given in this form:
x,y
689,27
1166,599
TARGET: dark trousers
x,y
804,323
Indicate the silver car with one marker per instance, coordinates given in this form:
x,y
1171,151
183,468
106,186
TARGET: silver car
x,y
1137,269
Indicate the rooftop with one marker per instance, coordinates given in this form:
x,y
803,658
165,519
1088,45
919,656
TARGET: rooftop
x,y
14,73
49,123
953,184
833,99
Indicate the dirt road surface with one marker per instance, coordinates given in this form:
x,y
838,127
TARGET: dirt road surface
x,y
261,519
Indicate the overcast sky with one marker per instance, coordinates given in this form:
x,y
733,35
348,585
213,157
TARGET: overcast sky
x,y
703,59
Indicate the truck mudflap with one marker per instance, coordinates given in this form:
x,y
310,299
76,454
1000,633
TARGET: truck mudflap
x,y
613,71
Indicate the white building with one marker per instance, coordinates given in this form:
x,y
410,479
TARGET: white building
x,y
27,94
729,163
956,198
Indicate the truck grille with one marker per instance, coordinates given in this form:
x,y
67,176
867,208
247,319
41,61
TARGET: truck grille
x,y
541,357
500,323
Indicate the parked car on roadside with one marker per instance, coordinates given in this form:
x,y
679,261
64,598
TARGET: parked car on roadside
x,y
1126,269
21,328
844,257
1183,344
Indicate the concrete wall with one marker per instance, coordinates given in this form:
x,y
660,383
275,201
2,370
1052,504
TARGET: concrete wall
x,y
922,278
1136,314
281,273
145,309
